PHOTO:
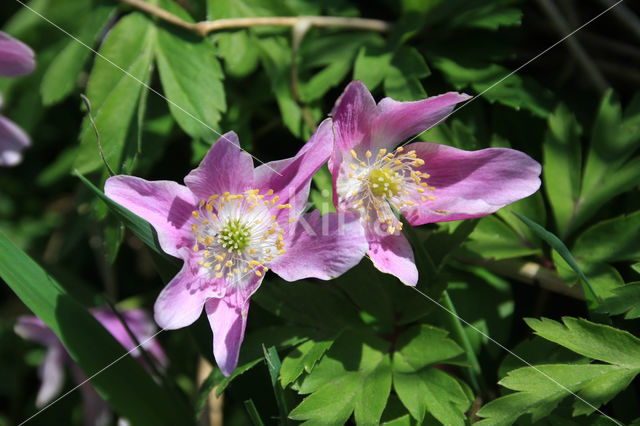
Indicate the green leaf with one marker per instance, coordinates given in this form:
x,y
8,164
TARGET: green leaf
x,y
307,303
239,52
275,54
191,78
624,299
493,238
353,376
562,250
434,391
274,365
562,166
597,341
217,9
124,384
252,411
612,240
113,93
514,91
372,65
61,77
402,81
423,345
303,358
540,390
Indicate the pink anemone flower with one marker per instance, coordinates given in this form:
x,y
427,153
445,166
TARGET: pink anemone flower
x,y
426,182
96,410
230,224
16,58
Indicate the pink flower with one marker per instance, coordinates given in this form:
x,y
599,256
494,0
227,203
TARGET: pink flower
x,y
52,369
427,182
230,224
16,58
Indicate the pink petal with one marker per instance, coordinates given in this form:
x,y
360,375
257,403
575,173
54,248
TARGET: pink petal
x,y
51,373
352,117
32,328
392,254
166,205
180,302
472,183
290,179
140,325
16,58
321,247
225,167
397,121
228,320
13,140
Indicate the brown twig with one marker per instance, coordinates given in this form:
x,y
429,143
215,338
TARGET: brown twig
x,y
529,273
205,27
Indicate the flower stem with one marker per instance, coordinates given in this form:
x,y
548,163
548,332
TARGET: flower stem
x,y
460,336
205,27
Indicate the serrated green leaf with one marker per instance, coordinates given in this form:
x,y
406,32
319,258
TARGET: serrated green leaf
x,y
624,299
353,376
114,94
602,389
540,390
434,391
61,78
612,240
191,78
141,400
423,345
562,170
303,358
217,9
597,341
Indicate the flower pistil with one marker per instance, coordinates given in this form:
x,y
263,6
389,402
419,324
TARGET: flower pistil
x,y
238,233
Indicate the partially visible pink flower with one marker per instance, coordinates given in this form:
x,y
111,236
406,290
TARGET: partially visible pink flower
x,y
96,410
427,182
16,58
230,224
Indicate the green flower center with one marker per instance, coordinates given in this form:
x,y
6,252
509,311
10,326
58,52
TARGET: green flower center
x,y
234,236
384,182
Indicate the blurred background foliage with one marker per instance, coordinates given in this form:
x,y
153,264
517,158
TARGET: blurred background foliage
x,y
362,348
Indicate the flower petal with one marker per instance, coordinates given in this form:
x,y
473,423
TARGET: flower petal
x,y
32,328
392,254
396,121
51,373
140,325
180,302
13,140
472,183
226,167
321,247
16,58
352,116
165,204
228,320
290,178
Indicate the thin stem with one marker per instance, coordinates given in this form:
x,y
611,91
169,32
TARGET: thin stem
x,y
573,45
205,27
460,336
